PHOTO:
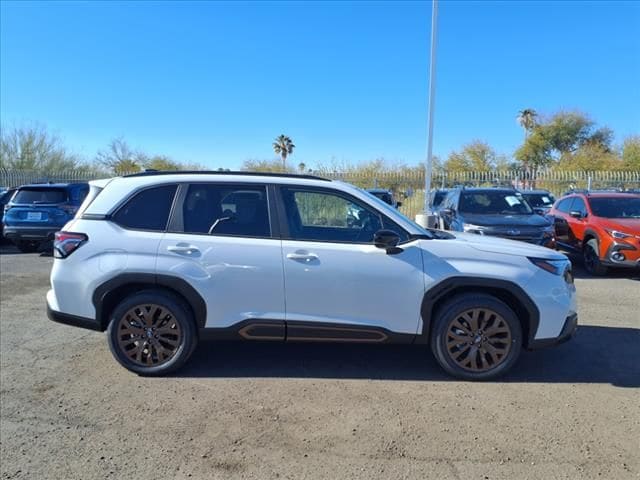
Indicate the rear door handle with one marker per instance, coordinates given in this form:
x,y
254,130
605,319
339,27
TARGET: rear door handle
x,y
305,257
188,249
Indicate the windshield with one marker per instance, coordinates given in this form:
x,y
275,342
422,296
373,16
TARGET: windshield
x,y
616,207
494,203
539,199
41,195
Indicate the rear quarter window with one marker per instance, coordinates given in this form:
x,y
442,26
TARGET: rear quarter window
x,y
147,210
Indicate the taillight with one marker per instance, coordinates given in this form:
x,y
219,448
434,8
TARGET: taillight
x,y
66,243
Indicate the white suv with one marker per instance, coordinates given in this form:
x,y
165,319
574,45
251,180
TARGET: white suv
x,y
161,260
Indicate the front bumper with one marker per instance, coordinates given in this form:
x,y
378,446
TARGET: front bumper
x,y
30,233
568,330
630,252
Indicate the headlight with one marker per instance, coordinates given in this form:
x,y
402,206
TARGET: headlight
x,y
470,228
557,267
617,234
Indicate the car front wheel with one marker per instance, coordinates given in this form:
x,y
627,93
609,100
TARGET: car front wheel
x,y
476,337
592,262
152,333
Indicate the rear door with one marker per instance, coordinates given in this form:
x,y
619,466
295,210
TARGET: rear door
x,y
336,277
221,241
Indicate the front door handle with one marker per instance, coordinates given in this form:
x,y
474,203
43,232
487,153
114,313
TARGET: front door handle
x,y
302,257
187,249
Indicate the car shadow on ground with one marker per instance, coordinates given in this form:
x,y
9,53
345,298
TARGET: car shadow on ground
x,y
594,355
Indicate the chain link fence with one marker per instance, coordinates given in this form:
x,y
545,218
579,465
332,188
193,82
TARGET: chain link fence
x,y
407,186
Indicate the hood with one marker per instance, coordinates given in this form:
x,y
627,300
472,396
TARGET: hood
x,y
506,220
485,243
626,225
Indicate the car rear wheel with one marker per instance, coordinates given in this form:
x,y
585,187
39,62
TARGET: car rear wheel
x,y
592,262
27,247
476,337
152,333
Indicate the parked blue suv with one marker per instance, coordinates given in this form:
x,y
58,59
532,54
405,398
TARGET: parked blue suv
x,y
37,211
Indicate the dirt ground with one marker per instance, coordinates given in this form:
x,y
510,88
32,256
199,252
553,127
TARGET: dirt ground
x,y
262,411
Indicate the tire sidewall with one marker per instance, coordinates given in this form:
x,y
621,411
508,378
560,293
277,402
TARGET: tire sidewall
x,y
598,268
182,315
455,307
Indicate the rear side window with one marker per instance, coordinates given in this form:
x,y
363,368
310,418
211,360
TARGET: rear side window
x,y
147,210
41,195
223,209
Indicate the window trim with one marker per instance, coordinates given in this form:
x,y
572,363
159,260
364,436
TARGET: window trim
x,y
175,225
284,225
119,206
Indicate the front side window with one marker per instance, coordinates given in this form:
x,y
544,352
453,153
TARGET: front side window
x,y
223,209
147,210
565,205
328,217
578,206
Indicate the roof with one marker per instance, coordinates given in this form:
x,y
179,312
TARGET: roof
x,y
378,190
48,185
536,192
488,189
147,173
606,194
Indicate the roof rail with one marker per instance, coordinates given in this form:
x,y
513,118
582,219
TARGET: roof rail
x,y
147,173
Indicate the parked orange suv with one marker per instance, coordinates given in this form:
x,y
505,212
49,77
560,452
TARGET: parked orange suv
x,y
604,227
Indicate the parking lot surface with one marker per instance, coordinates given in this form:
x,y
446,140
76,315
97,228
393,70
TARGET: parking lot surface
x,y
69,411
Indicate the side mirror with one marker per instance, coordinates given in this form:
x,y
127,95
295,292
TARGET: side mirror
x,y
575,214
387,239
539,211
230,218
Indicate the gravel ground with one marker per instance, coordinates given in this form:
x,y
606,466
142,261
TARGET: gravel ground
x,y
68,411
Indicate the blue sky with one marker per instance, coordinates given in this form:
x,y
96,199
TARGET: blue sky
x,y
214,82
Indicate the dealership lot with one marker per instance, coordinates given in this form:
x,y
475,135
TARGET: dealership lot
x,y
315,411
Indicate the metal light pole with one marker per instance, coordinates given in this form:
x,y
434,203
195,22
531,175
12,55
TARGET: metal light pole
x,y
427,219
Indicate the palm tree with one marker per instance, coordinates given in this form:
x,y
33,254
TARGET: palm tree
x,y
527,119
301,167
283,146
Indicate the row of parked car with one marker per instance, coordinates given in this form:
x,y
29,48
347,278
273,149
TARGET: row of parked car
x,y
602,226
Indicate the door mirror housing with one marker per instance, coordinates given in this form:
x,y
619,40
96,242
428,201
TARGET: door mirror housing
x,y
575,214
387,239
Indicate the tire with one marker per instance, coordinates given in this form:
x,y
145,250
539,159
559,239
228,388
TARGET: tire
x,y
27,247
154,344
591,257
464,358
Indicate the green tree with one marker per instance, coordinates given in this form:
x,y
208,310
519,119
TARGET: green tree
x,y
120,158
301,167
161,162
631,153
255,165
32,147
283,146
476,156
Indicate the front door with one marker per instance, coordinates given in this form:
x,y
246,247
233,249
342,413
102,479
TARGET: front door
x,y
221,242
334,275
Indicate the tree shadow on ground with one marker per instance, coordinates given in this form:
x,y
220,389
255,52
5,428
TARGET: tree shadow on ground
x,y
594,355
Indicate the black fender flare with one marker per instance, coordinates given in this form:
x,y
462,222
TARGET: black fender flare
x,y
507,291
138,281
